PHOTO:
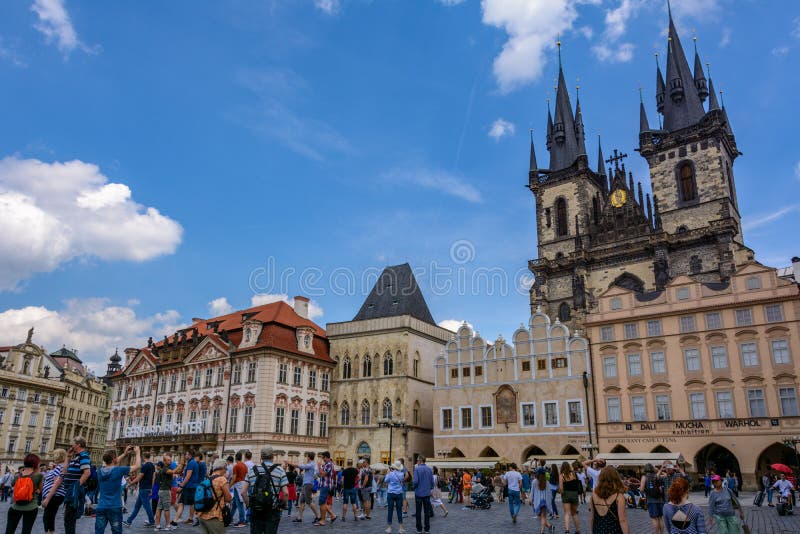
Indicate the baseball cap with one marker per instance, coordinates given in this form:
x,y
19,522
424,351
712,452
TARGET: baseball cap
x,y
715,478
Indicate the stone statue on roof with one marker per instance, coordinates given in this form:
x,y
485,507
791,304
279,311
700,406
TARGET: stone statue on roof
x,y
30,336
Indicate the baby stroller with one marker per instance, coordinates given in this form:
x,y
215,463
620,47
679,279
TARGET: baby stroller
x,y
481,499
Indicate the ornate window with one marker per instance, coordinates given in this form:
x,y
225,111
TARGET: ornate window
x,y
388,365
686,182
365,415
562,223
564,312
387,409
344,418
347,368
366,367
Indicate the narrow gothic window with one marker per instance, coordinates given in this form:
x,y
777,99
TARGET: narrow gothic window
x,y
561,217
563,312
346,368
595,210
687,183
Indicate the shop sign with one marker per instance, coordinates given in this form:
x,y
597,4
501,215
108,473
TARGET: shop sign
x,y
170,429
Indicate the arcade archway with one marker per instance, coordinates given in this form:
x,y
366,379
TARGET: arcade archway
x,y
456,453
568,450
619,449
660,448
777,453
533,450
718,459
488,452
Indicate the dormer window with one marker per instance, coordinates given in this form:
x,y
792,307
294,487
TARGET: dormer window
x,y
305,339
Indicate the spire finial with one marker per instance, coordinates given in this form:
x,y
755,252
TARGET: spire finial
x,y
641,101
669,10
531,129
722,99
708,69
558,44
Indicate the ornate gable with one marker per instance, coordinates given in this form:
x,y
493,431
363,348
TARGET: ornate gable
x,y
206,351
251,330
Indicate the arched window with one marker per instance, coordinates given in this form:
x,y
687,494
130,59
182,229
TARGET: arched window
x,y
366,367
687,183
595,210
564,312
388,364
347,368
344,419
562,225
387,409
365,415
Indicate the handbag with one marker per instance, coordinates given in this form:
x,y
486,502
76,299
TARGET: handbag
x,y
736,504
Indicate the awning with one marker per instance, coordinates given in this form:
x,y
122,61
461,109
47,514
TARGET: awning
x,y
639,459
554,459
465,463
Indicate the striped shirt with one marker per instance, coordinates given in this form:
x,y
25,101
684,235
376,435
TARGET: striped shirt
x,y
326,475
50,480
77,465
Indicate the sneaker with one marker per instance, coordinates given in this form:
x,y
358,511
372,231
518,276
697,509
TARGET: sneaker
x,y
125,524
388,529
514,518
401,530
173,524
157,528
196,523
172,527
147,524
242,525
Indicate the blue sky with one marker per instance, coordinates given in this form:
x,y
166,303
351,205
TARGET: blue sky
x,y
156,163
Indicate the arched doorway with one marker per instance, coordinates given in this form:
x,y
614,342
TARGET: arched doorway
x,y
619,449
660,448
533,450
456,453
777,453
716,458
488,452
364,450
569,449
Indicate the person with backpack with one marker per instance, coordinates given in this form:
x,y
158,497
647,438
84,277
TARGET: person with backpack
x,y
79,469
216,493
145,478
722,507
53,490
191,478
266,492
109,483
652,486
25,506
681,516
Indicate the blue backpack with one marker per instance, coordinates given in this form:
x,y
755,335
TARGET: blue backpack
x,y
204,498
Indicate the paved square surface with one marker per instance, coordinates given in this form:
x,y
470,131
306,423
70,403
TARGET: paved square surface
x,y
762,520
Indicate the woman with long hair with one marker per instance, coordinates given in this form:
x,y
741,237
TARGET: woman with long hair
x,y
681,516
570,488
552,485
436,492
25,506
541,502
651,486
53,491
608,504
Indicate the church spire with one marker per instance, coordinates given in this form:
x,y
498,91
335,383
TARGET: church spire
x,y
580,133
601,163
534,166
549,128
713,103
682,106
660,88
565,147
644,126
699,76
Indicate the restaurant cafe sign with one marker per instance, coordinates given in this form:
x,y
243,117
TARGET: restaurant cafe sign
x,y
703,427
169,429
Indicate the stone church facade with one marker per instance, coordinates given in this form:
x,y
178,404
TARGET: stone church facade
x,y
596,227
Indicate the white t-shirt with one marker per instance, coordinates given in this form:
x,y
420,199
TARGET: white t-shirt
x,y
582,478
513,480
594,474
784,487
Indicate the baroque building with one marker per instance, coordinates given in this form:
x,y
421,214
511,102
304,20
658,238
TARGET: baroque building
x,y
527,397
251,378
30,395
597,228
706,369
85,410
384,373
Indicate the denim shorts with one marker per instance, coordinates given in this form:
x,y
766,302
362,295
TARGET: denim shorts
x,y
323,496
350,496
655,509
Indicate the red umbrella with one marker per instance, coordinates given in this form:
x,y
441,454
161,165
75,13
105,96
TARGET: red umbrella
x,y
782,468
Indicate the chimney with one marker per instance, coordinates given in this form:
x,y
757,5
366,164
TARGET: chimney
x,y
130,353
795,269
301,306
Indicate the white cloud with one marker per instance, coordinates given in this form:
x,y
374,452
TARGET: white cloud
x,y
614,53
450,3
695,9
796,28
797,170
756,221
725,40
219,306
56,26
780,51
329,7
8,53
314,309
586,31
532,27
500,128
453,324
51,213
436,179
609,48
93,326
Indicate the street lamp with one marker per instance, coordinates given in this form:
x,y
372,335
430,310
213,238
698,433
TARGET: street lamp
x,y
792,442
588,413
391,425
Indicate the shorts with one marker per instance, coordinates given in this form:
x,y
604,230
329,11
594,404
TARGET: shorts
x,y
364,494
569,497
466,491
173,495
187,496
164,500
307,495
350,496
655,509
323,496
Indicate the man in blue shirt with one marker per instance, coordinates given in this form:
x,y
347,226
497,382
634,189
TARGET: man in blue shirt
x,y
423,484
109,480
309,469
78,471
191,478
147,475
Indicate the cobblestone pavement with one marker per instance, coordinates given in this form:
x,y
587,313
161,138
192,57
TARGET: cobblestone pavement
x,y
762,520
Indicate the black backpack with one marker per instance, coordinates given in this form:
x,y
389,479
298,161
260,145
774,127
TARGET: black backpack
x,y
654,487
264,496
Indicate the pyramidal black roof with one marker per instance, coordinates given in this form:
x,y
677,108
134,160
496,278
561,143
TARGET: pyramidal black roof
x,y
395,293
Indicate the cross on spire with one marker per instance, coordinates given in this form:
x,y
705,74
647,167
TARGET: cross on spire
x,y
616,158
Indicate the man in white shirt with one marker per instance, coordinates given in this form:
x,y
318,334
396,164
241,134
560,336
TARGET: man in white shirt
x,y
512,479
593,468
783,486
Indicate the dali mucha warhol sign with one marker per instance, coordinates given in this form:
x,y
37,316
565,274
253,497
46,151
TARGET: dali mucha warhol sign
x,y
701,427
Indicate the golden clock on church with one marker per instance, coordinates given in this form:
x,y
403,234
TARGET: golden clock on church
x,y
618,198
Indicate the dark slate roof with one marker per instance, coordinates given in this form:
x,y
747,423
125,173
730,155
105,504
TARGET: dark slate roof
x,y
717,286
64,352
648,296
395,293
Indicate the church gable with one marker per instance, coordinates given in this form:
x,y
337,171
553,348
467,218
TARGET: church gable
x,y
141,364
206,351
